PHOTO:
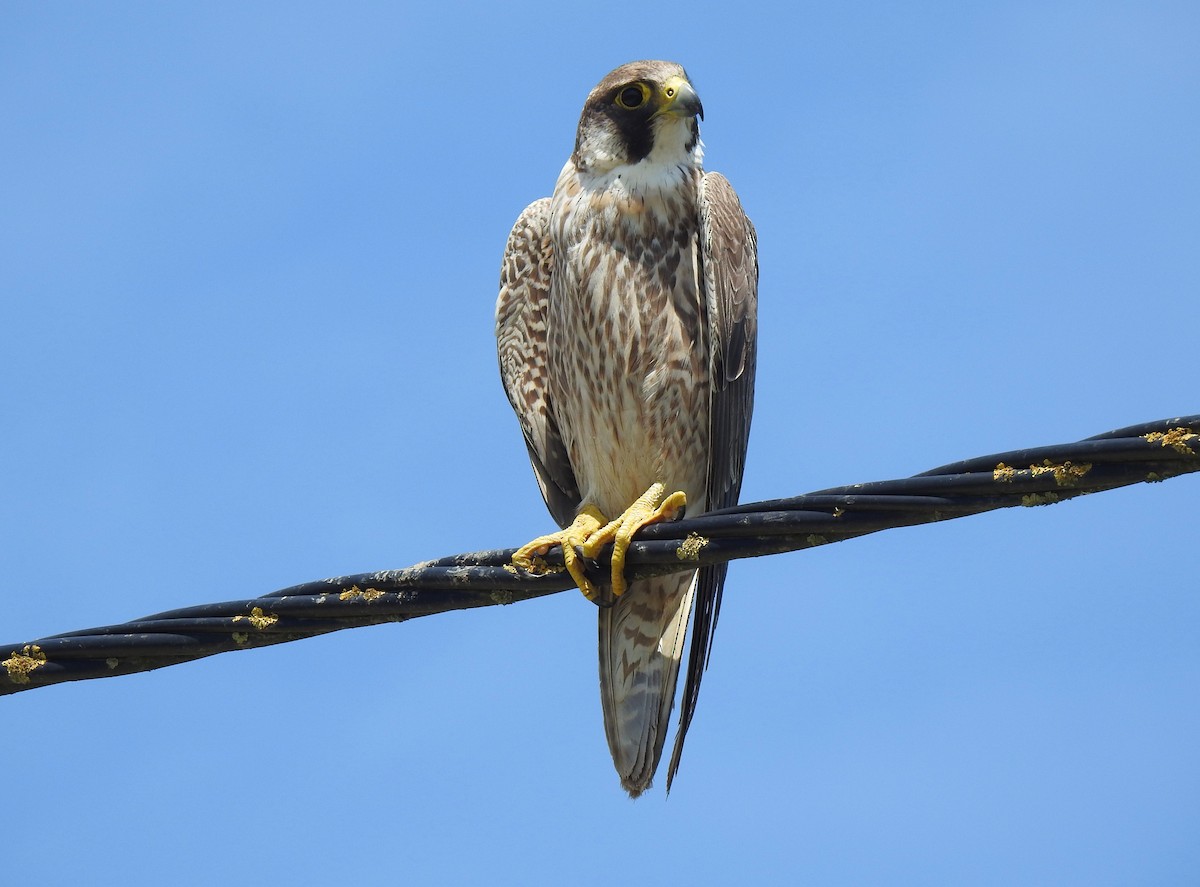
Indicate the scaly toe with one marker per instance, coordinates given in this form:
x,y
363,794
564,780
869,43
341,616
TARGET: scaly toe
x,y
620,532
527,557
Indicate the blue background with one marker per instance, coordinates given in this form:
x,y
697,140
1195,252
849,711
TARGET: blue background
x,y
249,256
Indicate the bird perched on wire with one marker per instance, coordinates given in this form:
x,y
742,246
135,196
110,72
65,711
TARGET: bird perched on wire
x,y
626,330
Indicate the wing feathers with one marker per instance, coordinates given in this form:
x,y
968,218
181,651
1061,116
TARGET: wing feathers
x,y
521,345
729,256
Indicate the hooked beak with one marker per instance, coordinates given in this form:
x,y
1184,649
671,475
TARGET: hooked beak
x,y
678,99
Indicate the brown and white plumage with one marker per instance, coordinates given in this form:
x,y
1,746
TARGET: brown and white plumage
x,y
626,334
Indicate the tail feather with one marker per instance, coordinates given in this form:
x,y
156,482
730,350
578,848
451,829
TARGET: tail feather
x,y
641,643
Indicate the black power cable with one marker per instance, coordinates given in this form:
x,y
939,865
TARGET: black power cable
x,y
1153,451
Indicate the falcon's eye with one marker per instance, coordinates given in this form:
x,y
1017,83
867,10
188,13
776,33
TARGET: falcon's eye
x,y
633,96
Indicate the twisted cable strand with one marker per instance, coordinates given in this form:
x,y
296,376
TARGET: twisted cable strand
x,y
1152,451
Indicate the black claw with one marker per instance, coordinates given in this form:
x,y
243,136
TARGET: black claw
x,y
592,570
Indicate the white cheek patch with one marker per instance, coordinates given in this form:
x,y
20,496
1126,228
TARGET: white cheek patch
x,y
601,149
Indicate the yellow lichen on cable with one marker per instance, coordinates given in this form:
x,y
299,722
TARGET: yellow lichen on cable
x,y
1031,499
690,548
1178,439
258,618
367,594
21,665
1066,474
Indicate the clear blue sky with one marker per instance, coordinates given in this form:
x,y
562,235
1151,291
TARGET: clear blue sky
x,y
248,262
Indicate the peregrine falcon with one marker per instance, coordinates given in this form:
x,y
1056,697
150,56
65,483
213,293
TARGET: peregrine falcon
x,y
626,330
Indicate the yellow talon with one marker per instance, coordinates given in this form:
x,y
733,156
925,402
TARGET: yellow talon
x,y
650,508
585,524
591,531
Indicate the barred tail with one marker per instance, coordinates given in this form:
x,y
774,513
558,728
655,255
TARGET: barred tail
x,y
641,642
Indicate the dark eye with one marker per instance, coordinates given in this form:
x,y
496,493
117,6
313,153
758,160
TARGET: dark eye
x,y
633,96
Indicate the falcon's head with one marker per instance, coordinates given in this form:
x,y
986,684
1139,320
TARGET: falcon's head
x,y
641,111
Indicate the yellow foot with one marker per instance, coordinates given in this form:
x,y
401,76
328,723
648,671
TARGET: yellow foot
x,y
650,508
587,522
